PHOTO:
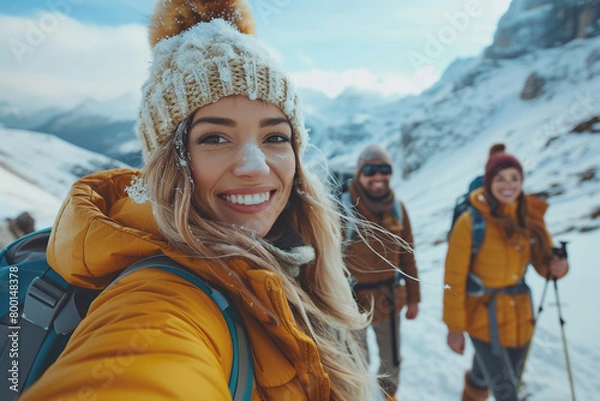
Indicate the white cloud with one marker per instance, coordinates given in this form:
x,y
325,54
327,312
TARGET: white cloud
x,y
332,83
54,59
305,59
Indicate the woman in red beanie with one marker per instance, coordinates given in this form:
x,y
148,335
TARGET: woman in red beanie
x,y
488,298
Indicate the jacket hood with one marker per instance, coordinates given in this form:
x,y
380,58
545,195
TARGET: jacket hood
x,y
99,230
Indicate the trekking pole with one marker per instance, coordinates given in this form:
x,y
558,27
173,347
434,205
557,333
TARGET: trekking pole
x,y
564,339
535,320
562,253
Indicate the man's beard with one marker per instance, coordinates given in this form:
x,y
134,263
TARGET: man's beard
x,y
379,196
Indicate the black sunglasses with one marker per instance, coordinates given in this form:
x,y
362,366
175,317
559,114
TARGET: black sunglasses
x,y
370,170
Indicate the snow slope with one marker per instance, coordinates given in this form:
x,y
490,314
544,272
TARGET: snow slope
x,y
19,194
37,170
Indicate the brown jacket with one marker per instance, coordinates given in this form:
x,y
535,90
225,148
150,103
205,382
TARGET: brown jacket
x,y
367,266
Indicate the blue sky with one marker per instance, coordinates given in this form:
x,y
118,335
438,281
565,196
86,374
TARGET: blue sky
x,y
392,47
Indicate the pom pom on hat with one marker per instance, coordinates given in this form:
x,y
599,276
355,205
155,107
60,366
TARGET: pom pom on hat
x,y
171,17
497,147
198,65
498,161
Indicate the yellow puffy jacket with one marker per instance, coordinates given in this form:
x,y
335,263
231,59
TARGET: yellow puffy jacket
x,y
499,263
153,335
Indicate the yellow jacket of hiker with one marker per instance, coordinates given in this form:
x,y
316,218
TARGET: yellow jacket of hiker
x,y
499,263
154,336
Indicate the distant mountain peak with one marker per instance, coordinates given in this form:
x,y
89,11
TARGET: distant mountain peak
x,y
529,25
120,108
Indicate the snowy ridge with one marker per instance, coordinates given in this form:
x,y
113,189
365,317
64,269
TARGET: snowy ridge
x,y
18,194
38,170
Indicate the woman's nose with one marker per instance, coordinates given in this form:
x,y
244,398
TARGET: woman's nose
x,y
251,162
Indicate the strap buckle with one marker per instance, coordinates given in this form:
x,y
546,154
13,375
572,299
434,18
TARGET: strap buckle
x,y
43,302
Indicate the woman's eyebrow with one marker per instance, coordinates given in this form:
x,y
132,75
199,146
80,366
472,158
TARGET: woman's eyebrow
x,y
214,120
271,122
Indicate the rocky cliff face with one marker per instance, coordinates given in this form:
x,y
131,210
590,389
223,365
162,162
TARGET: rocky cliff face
x,y
529,25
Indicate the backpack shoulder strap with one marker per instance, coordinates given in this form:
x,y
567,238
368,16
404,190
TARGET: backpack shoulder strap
x,y
241,378
478,232
397,212
348,209
347,200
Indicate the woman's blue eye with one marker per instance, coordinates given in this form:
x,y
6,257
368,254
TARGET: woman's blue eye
x,y
212,139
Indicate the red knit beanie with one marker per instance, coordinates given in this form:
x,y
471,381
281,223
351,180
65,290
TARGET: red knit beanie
x,y
498,161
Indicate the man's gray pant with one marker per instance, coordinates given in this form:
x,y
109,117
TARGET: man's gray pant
x,y
390,372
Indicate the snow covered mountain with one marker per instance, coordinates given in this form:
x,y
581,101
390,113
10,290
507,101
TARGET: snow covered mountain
x,y
13,116
105,127
529,25
37,171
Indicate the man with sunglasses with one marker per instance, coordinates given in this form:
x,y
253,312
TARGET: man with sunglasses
x,y
376,259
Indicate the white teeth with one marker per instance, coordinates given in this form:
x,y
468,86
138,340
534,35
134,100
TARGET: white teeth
x,y
254,199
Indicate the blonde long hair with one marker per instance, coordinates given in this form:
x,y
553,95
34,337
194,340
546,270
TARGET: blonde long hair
x,y
320,296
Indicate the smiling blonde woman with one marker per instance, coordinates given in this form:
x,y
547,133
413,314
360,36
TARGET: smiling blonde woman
x,y
225,193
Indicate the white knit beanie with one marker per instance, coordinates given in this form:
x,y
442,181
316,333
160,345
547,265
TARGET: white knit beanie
x,y
203,64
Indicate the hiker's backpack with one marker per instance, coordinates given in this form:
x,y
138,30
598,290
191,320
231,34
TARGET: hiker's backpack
x,y
340,181
39,311
350,208
463,204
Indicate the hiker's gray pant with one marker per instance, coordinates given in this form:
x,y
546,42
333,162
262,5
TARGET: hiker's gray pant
x,y
383,333
499,373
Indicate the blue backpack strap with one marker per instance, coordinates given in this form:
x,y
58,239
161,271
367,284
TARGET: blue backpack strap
x,y
241,379
42,300
475,285
349,208
478,232
397,212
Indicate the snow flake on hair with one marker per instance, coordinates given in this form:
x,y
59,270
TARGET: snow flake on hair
x,y
138,190
179,139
